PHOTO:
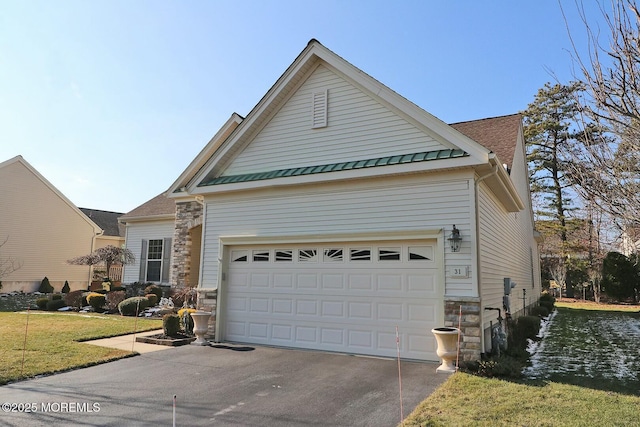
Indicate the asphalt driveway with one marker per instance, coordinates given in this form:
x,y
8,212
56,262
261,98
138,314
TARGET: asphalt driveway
x,y
224,385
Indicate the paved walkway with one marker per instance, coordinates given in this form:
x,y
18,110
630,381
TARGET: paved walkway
x,y
128,342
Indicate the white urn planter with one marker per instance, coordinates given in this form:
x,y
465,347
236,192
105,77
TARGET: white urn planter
x,y
200,326
447,350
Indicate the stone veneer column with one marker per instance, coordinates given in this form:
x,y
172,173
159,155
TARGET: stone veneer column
x,y
470,345
208,301
188,215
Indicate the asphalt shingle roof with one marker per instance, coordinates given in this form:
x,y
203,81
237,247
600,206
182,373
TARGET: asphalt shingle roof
x,y
159,205
106,220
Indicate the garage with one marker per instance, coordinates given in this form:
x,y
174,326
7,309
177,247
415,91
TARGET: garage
x,y
344,297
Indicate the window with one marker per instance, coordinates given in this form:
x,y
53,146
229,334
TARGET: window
x,y
261,255
333,255
389,254
360,254
284,255
307,255
154,260
239,256
417,253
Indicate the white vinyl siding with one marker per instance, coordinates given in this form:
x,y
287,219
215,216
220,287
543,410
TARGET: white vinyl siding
x,y
43,231
394,204
136,233
506,245
359,128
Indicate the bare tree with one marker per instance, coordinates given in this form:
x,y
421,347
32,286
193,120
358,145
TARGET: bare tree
x,y
608,172
108,255
8,265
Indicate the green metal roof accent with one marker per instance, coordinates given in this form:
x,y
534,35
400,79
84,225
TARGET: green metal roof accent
x,y
336,167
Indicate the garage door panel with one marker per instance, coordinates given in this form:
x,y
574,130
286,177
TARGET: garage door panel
x,y
320,299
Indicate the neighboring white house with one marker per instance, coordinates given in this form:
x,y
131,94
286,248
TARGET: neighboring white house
x,y
41,229
323,220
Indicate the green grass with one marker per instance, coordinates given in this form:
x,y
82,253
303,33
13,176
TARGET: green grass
x,y
581,386
466,400
53,341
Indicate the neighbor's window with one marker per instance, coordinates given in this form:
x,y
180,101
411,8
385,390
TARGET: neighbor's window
x,y
154,260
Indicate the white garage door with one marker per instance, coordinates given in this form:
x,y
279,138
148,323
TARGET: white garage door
x,y
335,297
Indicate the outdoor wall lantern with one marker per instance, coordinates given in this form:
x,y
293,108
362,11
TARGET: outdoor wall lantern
x,y
455,239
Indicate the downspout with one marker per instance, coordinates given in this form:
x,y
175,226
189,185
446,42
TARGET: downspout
x,y
476,183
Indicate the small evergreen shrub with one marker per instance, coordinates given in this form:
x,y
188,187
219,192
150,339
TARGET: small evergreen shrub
x,y
45,286
55,304
114,298
42,303
118,288
499,367
545,296
130,306
523,328
540,311
96,300
136,289
56,296
154,289
75,298
171,324
547,304
153,299
66,288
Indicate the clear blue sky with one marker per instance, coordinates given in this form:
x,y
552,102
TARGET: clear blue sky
x,y
111,100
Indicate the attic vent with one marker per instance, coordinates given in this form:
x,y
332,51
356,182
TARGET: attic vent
x,y
319,107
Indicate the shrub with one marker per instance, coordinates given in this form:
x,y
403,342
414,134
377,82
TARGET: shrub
x,y
114,298
171,324
154,289
136,289
182,295
499,367
540,311
525,327
153,299
118,288
45,286
42,303
56,296
55,304
130,306
547,304
96,300
66,288
74,298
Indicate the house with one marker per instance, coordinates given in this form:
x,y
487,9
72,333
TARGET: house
x,y
112,235
41,229
338,214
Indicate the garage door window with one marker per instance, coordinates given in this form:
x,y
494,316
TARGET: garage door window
x,y
333,255
239,256
306,255
261,256
418,253
389,254
284,255
360,254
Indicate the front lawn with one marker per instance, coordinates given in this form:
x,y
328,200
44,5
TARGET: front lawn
x,y
52,341
586,372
